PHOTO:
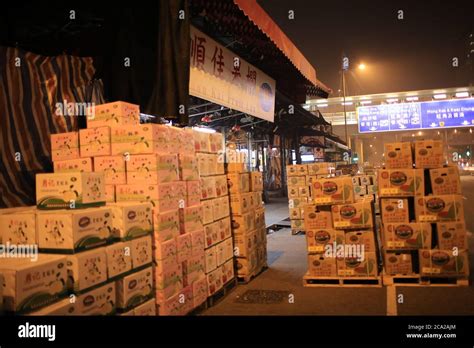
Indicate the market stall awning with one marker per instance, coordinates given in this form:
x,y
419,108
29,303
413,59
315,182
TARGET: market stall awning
x,y
246,29
266,24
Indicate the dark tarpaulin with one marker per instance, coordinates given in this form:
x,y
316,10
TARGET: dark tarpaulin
x,y
156,40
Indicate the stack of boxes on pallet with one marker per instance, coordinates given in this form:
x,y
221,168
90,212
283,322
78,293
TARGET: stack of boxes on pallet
x,y
424,232
214,195
142,251
248,220
90,251
340,233
299,179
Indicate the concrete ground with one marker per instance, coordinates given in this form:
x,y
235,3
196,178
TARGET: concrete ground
x,y
287,265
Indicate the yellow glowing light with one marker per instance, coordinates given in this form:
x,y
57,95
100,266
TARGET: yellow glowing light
x,y
362,66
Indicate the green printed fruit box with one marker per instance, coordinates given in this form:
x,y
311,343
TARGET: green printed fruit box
x,y
135,289
333,190
29,286
407,236
443,262
70,190
99,301
439,208
73,230
131,219
353,266
353,215
401,182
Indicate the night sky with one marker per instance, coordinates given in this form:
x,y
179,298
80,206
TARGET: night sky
x,y
409,54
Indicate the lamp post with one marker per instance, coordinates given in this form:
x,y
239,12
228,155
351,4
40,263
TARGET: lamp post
x,y
345,67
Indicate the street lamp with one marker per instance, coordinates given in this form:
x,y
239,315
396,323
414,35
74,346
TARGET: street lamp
x,y
345,67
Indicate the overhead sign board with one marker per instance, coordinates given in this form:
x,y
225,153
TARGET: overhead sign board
x,y
416,116
222,77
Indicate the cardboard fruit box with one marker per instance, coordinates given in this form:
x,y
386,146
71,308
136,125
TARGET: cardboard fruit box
x,y
353,215
293,192
134,289
131,219
316,240
320,266
353,267
333,190
452,235
400,182
398,155
64,146
28,286
165,225
18,226
407,236
316,218
94,142
152,169
296,181
394,210
141,251
70,190
119,258
321,168
113,168
243,223
445,181
429,154
396,263
443,263
87,269
140,139
439,208
114,114
365,238
297,169
73,230
256,181
238,183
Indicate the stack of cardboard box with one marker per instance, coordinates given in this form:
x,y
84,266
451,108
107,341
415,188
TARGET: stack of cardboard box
x,y
299,179
214,197
340,234
422,212
248,219
148,175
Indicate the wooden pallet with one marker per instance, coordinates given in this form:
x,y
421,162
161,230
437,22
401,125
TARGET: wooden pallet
x,y
221,293
417,280
349,282
246,278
